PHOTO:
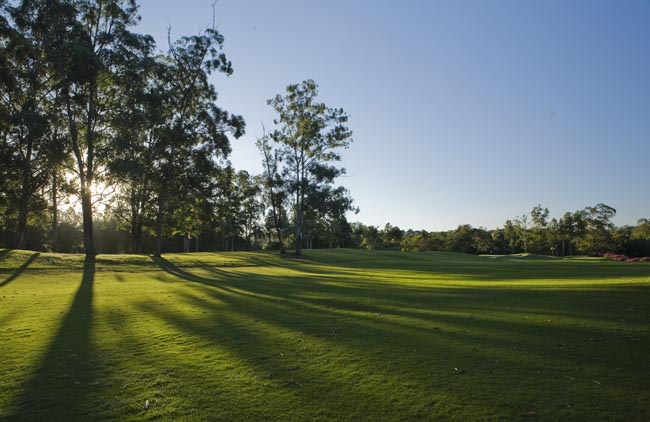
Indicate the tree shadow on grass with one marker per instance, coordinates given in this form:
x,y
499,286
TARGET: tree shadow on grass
x,y
18,271
484,330
461,266
63,385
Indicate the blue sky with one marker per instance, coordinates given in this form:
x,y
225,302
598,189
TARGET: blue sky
x,y
462,111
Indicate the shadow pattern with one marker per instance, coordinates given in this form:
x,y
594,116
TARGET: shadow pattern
x,y
65,380
18,271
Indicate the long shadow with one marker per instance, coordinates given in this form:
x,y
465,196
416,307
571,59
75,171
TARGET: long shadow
x,y
289,304
465,266
18,271
262,310
63,385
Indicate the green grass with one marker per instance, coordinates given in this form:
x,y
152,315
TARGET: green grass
x,y
342,335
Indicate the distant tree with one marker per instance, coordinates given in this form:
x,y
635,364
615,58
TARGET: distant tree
x,y
391,236
538,235
639,239
521,227
309,135
370,238
511,237
565,233
553,236
597,237
274,185
499,241
461,239
251,208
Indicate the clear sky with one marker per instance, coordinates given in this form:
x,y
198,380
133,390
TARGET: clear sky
x,y
463,112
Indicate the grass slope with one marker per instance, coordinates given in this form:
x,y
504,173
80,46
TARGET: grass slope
x,y
343,335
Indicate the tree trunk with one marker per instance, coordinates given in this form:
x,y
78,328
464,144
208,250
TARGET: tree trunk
x,y
25,194
134,220
279,232
55,210
140,220
22,224
134,228
298,224
159,228
87,216
186,243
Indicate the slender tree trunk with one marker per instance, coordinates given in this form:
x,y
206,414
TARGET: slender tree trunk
x,y
140,220
25,195
133,202
299,222
278,229
159,227
55,210
22,223
87,217
197,242
85,169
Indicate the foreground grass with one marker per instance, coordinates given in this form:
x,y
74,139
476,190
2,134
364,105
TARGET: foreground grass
x,y
343,335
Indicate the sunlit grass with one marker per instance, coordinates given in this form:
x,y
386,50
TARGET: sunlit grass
x,y
342,335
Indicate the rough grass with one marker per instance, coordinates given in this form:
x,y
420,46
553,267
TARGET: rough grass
x,y
342,335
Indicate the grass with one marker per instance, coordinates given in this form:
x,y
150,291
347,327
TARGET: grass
x,y
342,335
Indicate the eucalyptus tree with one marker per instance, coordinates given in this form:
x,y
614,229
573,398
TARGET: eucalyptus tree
x,y
309,135
85,44
31,145
598,234
521,226
134,124
566,232
639,243
327,206
510,237
251,207
538,235
274,185
193,122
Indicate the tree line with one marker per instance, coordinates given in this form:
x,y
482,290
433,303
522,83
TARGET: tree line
x,y
588,231
90,110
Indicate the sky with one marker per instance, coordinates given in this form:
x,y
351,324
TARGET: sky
x,y
462,112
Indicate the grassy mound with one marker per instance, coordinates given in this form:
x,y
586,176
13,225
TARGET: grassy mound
x,y
340,335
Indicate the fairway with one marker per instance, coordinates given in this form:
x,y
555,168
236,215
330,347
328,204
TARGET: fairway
x,y
341,335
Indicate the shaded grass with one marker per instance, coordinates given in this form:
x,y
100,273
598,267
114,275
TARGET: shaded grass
x,y
342,335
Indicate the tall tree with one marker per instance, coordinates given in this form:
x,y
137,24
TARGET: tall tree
x,y
195,125
31,144
86,42
521,225
598,234
274,185
134,124
538,235
309,134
